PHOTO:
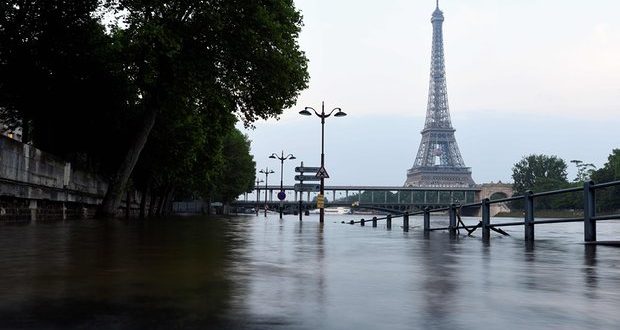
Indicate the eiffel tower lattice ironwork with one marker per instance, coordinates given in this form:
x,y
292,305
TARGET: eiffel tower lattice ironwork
x,y
438,162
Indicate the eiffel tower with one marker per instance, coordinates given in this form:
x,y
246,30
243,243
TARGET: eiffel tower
x,y
438,162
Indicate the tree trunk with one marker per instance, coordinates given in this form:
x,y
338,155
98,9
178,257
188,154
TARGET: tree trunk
x,y
128,204
160,203
113,196
145,194
152,204
169,199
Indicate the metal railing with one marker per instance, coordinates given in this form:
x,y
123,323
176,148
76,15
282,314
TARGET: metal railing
x,y
589,213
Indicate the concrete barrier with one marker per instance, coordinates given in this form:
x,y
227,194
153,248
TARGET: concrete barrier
x,y
35,184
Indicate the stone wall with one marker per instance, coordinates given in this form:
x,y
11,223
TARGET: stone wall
x,y
40,185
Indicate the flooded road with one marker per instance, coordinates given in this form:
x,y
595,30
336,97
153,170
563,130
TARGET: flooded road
x,y
249,272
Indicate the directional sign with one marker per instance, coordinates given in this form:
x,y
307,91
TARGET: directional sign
x,y
281,195
306,178
307,187
322,173
305,169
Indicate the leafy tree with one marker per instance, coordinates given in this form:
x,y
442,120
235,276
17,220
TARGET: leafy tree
x,y
540,173
607,199
237,175
536,171
176,73
59,78
237,56
181,156
584,170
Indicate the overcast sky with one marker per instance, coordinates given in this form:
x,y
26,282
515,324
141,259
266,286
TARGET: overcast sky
x,y
527,76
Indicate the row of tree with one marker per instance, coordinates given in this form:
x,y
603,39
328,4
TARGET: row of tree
x,y
540,173
148,93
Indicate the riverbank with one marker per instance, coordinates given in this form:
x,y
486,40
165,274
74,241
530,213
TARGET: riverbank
x,y
544,214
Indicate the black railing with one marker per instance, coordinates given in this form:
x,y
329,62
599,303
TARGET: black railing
x,y
589,213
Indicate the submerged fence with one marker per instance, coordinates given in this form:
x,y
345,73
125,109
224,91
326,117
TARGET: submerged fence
x,y
589,217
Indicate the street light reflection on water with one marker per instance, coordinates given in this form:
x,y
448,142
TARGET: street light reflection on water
x,y
249,272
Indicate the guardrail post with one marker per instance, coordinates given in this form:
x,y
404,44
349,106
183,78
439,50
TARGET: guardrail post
x,y
388,221
427,219
529,216
486,219
374,221
406,221
362,222
589,211
452,217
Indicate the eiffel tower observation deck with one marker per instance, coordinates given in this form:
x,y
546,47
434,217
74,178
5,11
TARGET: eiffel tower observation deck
x,y
438,162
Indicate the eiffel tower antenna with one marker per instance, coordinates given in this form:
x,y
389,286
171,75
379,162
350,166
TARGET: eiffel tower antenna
x,y
438,162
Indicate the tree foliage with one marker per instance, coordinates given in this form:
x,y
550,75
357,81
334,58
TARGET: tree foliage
x,y
538,173
58,78
584,170
230,56
160,87
238,168
541,173
608,199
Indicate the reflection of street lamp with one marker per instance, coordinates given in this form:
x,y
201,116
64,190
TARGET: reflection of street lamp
x,y
322,115
258,193
282,159
266,171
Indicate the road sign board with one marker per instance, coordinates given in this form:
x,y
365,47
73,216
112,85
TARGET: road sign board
x,y
322,173
306,178
281,195
311,187
320,201
305,169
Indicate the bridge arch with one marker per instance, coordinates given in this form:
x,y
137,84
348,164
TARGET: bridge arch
x,y
498,195
496,191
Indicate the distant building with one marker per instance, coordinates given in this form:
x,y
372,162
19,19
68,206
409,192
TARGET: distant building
x,y
438,162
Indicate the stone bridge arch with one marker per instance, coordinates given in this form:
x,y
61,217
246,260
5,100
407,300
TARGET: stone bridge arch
x,y
494,190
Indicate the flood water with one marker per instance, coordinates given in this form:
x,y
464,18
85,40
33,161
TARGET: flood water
x,y
252,272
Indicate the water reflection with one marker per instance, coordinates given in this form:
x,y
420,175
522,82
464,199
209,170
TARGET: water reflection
x,y
439,282
252,272
589,271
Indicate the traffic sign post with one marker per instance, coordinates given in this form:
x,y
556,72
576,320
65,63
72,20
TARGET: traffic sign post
x,y
320,201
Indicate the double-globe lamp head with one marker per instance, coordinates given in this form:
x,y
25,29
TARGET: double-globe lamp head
x,y
306,112
290,156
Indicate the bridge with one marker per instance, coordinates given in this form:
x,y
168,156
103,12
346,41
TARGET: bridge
x,y
389,198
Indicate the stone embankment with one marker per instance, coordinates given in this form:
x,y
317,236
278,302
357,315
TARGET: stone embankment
x,y
36,186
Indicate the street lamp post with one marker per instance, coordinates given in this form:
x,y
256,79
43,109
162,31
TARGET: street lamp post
x,y
266,171
281,195
322,115
258,181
